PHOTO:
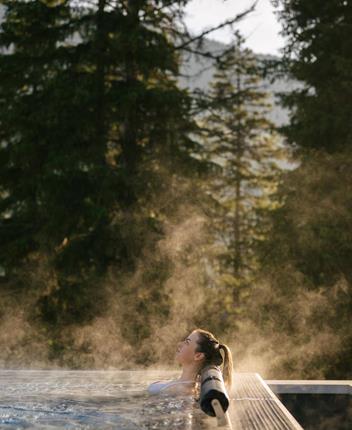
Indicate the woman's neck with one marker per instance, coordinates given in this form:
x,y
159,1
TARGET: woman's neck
x,y
189,373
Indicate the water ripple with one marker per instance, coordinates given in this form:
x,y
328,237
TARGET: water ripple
x,y
91,400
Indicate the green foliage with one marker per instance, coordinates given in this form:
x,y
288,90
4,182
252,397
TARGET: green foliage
x,y
318,53
89,113
316,209
71,303
242,142
102,165
305,278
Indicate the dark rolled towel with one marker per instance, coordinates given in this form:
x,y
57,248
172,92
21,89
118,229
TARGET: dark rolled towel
x,y
212,387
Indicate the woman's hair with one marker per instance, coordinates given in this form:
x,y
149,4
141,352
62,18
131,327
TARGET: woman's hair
x,y
211,347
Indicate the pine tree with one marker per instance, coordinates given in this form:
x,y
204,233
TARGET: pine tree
x,y
242,141
93,128
318,54
305,258
57,187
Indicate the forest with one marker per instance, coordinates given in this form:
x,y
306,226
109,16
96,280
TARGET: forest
x,y
133,209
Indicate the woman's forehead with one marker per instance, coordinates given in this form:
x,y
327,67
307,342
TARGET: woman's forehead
x,y
193,336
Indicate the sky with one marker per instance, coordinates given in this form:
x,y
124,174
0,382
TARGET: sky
x,y
261,27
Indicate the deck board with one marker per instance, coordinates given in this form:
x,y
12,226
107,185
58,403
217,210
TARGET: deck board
x,y
254,406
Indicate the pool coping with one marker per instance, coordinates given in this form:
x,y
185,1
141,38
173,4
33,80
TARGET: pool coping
x,y
296,386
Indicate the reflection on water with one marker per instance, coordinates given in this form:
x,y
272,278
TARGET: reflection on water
x,y
93,400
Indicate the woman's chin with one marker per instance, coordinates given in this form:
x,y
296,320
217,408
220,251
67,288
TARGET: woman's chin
x,y
177,358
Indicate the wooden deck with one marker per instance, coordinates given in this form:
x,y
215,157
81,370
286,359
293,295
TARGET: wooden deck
x,y
254,406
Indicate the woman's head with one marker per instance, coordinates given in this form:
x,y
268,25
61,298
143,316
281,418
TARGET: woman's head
x,y
186,353
200,348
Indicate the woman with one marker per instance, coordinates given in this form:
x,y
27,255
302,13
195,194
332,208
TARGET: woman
x,y
199,349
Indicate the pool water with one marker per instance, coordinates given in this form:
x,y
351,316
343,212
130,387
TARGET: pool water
x,y
32,399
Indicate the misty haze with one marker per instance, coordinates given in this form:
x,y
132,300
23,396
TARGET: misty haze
x,y
172,206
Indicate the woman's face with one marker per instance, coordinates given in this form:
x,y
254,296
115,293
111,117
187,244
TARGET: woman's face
x,y
185,353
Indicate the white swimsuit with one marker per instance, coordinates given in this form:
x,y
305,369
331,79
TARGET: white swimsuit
x,y
159,386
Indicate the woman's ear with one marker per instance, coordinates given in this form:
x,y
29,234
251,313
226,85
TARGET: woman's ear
x,y
199,356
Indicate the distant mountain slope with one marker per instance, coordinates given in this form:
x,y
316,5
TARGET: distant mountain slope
x,y
201,71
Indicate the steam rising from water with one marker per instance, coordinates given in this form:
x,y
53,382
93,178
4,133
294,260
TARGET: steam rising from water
x,y
271,351
279,334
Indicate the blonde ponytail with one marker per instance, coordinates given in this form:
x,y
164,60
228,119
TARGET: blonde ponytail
x,y
211,347
227,371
